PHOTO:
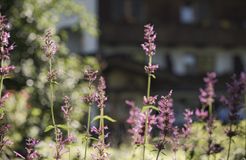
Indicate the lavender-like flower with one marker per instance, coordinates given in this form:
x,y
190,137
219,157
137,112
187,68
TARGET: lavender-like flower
x,y
201,114
100,147
101,98
175,140
165,118
90,75
149,35
234,101
5,49
5,46
101,153
150,69
136,121
31,154
186,130
62,142
207,94
150,101
66,108
50,46
213,148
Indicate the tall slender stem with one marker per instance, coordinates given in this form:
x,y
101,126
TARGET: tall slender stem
x,y
158,154
229,145
52,105
102,124
1,81
87,131
146,113
68,135
210,110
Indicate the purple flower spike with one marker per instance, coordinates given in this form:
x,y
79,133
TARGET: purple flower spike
x,y
207,95
151,68
201,114
186,130
165,118
151,100
101,98
149,35
50,47
136,121
234,99
66,108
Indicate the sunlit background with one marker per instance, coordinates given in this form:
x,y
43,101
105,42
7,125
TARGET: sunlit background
x,y
193,37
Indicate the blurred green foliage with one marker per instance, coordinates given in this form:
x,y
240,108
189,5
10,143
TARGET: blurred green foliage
x,y
28,107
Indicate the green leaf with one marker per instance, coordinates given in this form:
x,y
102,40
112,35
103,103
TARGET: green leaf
x,y
145,108
109,118
92,138
104,117
48,128
96,118
62,126
153,76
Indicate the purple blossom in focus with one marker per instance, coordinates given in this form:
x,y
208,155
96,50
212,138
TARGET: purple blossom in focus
x,y
50,46
207,94
101,98
151,100
149,35
186,130
165,118
150,69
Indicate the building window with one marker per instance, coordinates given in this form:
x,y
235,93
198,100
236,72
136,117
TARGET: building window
x,y
127,10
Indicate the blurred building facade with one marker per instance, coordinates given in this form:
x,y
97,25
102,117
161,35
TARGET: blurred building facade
x,y
193,37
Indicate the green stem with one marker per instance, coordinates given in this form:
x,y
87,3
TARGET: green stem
x,y
68,135
158,154
229,146
210,110
52,107
146,113
87,132
102,124
1,81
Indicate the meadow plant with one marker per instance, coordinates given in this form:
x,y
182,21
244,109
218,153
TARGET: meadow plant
x,y
67,109
50,49
31,153
5,68
89,75
207,94
141,120
234,101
